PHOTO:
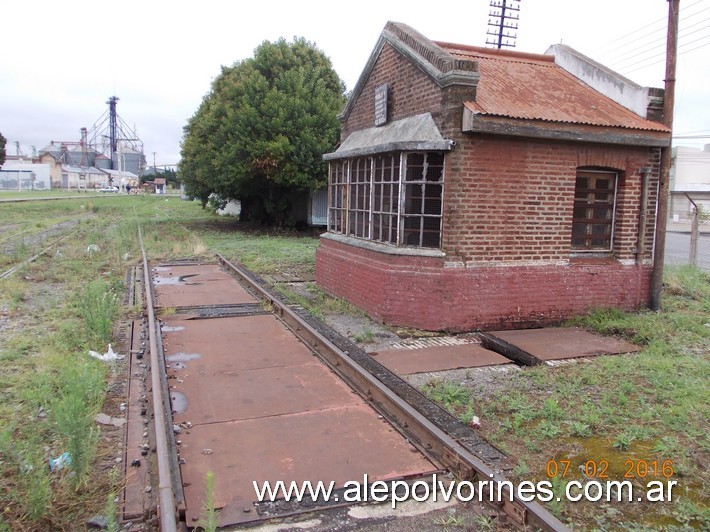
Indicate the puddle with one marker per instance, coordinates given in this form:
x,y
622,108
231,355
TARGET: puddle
x,y
172,280
171,328
161,269
177,365
179,402
183,357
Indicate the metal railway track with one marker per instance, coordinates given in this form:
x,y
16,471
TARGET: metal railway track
x,y
445,442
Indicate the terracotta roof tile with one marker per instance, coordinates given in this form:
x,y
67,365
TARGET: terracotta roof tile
x,y
531,86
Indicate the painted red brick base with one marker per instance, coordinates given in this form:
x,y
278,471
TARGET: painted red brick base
x,y
421,292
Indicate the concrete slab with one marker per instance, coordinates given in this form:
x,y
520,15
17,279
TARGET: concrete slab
x,y
558,343
437,358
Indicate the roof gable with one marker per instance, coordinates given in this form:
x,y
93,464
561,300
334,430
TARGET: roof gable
x,y
444,68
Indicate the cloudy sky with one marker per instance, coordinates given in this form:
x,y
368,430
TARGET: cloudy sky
x,y
61,61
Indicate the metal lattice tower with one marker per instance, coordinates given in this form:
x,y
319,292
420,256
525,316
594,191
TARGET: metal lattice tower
x,y
109,131
503,23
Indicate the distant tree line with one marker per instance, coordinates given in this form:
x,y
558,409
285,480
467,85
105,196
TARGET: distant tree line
x,y
260,133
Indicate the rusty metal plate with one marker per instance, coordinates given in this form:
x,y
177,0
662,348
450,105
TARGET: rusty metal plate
x,y
197,285
258,405
339,444
256,393
437,358
230,344
558,343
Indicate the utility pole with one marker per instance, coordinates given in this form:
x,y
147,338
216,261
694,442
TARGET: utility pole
x,y
503,12
659,254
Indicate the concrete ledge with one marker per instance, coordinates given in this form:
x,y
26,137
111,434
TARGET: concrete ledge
x,y
379,247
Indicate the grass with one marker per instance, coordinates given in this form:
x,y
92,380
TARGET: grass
x,y
652,405
61,306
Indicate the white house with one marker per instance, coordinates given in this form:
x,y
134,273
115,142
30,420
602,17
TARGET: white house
x,y
690,177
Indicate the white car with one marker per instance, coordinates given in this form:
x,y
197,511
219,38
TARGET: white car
x,y
108,189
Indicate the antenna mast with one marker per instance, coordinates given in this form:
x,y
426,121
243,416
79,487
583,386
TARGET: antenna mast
x,y
504,23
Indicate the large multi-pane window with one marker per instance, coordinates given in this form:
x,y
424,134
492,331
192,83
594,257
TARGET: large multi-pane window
x,y
394,198
338,200
593,215
360,204
385,207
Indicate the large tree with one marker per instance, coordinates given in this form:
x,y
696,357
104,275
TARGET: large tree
x,y
3,142
260,133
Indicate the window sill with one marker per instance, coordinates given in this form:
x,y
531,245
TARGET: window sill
x,y
592,258
379,247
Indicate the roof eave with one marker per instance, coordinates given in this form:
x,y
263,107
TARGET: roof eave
x,y
542,129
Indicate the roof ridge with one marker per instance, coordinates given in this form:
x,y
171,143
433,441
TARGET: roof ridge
x,y
495,53
428,49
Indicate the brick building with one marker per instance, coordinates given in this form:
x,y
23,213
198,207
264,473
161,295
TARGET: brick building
x,y
484,189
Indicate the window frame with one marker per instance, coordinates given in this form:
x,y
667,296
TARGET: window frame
x,y
591,221
341,209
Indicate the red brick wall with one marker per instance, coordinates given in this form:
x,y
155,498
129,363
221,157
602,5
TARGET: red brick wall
x,y
411,92
511,199
420,292
507,223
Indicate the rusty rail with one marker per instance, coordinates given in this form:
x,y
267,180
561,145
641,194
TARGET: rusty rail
x,y
166,495
419,429
33,258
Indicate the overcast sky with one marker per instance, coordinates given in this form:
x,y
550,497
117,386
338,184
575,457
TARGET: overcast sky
x,y
61,61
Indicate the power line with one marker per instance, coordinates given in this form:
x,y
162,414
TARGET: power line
x,y
656,61
637,57
659,33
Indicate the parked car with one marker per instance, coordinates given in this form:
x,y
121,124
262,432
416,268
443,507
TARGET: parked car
x,y
108,189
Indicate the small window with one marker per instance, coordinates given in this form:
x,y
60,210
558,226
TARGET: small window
x,y
593,213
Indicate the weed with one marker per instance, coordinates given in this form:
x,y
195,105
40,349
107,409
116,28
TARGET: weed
x,y
623,441
366,337
447,393
521,469
37,485
580,429
99,307
484,523
552,410
449,520
112,524
559,486
77,402
468,415
209,521
547,429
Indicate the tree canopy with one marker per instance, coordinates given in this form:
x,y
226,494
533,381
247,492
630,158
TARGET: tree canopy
x,y
3,142
260,133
